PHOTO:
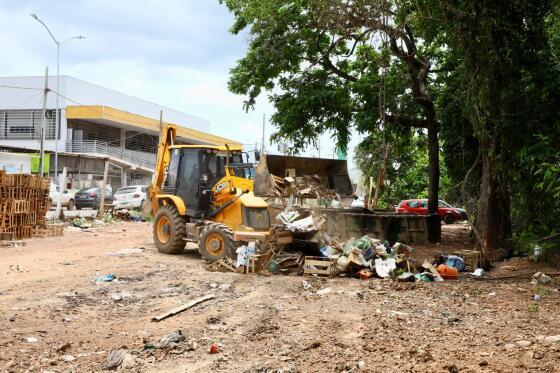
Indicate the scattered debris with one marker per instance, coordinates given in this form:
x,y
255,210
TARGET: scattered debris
x,y
478,272
127,251
214,348
324,291
63,347
183,307
130,215
114,359
81,222
105,278
31,339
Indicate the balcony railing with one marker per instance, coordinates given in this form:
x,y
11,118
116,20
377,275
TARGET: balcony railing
x,y
140,158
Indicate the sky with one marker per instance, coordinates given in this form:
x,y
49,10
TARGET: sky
x,y
176,53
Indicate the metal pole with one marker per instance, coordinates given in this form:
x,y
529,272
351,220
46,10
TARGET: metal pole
x,y
44,123
57,122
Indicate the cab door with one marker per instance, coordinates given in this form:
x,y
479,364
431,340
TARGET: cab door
x,y
188,180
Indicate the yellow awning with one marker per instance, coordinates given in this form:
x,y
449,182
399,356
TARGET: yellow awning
x,y
110,115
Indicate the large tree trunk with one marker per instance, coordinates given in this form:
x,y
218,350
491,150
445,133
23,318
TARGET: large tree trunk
x,y
493,221
434,220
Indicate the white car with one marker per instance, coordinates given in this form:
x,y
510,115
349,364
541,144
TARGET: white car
x,y
67,197
130,197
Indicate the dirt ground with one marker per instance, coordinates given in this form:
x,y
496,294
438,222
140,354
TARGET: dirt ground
x,y
55,318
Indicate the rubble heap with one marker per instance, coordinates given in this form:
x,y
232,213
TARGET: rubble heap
x,y
24,202
304,187
300,243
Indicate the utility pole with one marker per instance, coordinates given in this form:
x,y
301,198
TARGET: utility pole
x,y
262,144
57,123
44,122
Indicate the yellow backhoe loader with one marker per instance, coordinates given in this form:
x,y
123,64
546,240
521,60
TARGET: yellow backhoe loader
x,y
203,193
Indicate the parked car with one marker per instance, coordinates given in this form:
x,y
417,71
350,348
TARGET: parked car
x,y
90,197
449,214
67,197
130,197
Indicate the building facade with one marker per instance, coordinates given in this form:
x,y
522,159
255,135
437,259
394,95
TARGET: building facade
x,y
95,124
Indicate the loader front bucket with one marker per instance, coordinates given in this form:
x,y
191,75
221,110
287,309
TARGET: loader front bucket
x,y
333,171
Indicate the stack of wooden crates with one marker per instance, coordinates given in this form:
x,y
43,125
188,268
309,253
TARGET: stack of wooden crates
x,y
24,202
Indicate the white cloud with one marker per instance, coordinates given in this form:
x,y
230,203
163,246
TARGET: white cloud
x,y
176,53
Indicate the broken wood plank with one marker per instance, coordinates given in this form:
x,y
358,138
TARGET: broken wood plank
x,y
183,307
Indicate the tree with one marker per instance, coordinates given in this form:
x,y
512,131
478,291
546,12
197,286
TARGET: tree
x,y
333,65
502,83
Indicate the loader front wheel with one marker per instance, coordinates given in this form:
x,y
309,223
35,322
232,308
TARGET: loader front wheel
x,y
216,241
170,230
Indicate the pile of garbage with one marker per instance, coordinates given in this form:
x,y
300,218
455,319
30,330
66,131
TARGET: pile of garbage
x,y
312,250
305,186
130,215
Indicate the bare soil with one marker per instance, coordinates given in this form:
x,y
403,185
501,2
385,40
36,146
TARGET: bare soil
x,y
55,318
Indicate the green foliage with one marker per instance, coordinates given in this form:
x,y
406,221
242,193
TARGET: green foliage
x,y
407,174
533,307
495,82
321,68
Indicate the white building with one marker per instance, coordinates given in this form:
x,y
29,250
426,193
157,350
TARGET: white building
x,y
95,124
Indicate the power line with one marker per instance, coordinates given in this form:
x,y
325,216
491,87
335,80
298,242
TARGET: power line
x,y
20,105
16,87
105,114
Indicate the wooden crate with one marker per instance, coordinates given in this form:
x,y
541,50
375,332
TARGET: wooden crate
x,y
319,265
7,220
45,183
22,232
19,206
472,258
6,236
51,230
7,180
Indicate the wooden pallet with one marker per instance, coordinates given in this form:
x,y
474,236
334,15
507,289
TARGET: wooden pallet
x,y
51,230
472,258
318,265
19,206
20,232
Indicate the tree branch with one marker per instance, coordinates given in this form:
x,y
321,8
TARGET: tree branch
x,y
327,63
406,121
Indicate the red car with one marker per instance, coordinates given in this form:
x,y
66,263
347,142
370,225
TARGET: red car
x,y
448,213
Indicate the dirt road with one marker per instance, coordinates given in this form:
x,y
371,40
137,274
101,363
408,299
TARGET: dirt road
x,y
56,318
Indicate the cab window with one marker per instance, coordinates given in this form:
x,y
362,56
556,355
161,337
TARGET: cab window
x,y
413,204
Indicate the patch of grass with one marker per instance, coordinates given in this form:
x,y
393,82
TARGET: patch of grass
x,y
477,291
533,308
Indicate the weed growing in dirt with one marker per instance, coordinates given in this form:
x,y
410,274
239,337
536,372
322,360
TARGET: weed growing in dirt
x,y
533,308
477,291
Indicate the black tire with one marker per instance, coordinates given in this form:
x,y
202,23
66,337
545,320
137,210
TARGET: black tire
x,y
71,205
449,219
169,218
211,247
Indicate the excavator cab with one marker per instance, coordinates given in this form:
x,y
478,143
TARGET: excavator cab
x,y
204,194
194,171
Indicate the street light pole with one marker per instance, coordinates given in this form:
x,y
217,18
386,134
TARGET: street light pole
x,y
57,120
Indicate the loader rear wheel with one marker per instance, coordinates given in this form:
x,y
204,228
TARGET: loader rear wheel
x,y
170,230
216,241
